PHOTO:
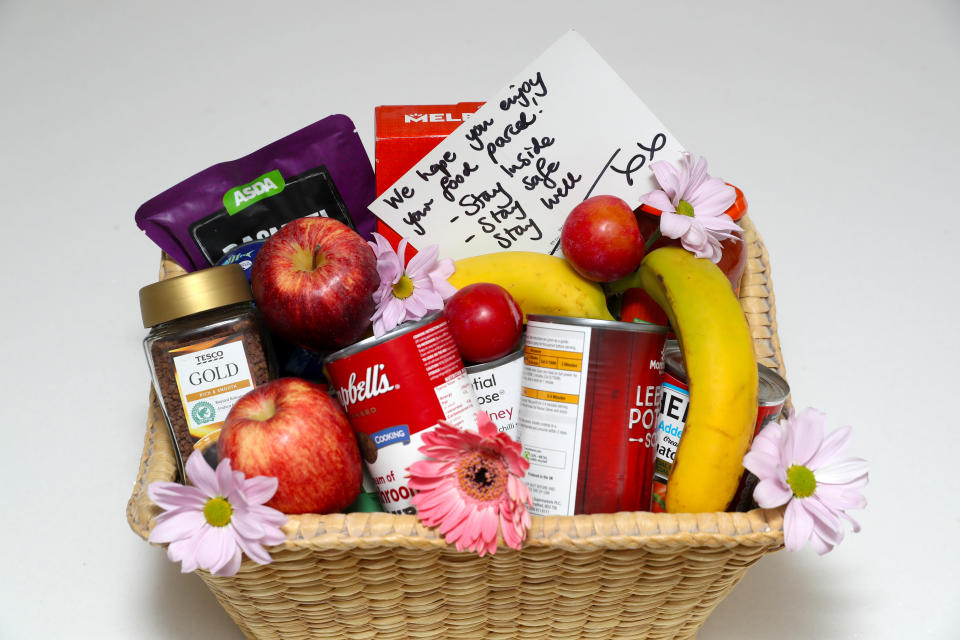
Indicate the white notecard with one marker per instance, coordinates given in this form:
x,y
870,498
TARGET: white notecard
x,y
567,127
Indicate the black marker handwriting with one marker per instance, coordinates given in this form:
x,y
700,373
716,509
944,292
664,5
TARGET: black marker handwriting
x,y
525,158
566,184
524,121
526,94
638,160
477,130
473,203
413,218
510,234
545,171
399,195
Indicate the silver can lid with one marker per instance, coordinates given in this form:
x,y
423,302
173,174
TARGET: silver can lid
x,y
638,327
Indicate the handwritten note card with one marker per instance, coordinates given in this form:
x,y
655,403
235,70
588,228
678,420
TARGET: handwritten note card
x,y
564,129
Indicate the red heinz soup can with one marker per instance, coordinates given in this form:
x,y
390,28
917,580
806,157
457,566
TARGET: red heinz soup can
x,y
396,387
588,407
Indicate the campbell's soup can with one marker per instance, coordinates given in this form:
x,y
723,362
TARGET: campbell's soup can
x,y
496,388
588,407
772,392
396,387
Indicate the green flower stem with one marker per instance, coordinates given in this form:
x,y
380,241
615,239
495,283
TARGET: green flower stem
x,y
656,235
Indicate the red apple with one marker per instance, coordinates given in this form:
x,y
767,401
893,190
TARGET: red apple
x,y
601,240
314,282
485,320
293,430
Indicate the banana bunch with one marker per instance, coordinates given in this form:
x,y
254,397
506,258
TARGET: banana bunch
x,y
540,283
721,373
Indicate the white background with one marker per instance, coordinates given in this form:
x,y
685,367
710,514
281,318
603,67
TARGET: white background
x,y
838,120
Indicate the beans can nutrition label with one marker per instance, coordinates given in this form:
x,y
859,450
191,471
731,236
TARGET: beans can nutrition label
x,y
551,413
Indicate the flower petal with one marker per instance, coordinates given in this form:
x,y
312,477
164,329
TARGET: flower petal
x,y
797,525
259,489
172,526
761,464
254,550
840,497
489,523
711,198
669,178
421,264
247,526
659,200
224,473
215,548
173,495
771,492
842,471
185,552
832,447
807,436
674,225
231,566
201,474
429,298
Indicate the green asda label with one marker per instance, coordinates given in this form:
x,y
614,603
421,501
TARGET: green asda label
x,y
239,198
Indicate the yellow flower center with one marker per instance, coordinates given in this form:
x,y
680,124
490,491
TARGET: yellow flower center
x,y
482,475
685,208
801,481
404,287
217,511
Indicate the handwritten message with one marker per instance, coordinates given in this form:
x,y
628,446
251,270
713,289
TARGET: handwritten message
x,y
564,129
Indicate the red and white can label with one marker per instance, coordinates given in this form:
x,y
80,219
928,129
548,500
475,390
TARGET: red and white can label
x,y
587,414
395,388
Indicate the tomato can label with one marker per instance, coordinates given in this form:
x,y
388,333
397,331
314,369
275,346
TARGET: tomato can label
x,y
396,387
588,405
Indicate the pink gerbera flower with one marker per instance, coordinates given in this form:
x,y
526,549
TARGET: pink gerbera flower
x,y
692,206
408,293
472,486
799,467
209,524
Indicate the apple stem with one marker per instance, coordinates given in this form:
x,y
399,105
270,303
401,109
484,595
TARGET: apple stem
x,y
631,281
318,258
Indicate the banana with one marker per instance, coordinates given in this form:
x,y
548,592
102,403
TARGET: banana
x,y
540,283
721,372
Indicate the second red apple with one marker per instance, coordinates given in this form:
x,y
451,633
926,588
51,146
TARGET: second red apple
x,y
485,320
601,239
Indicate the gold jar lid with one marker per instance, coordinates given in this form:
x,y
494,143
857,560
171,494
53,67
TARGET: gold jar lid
x,y
193,293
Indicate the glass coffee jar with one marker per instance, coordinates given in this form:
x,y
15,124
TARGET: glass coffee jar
x,y
206,348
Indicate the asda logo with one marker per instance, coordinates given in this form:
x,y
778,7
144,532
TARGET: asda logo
x,y
239,198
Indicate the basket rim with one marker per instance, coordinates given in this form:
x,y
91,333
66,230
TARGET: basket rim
x,y
656,532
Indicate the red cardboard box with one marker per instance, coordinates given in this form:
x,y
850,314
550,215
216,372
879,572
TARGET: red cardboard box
x,y
406,133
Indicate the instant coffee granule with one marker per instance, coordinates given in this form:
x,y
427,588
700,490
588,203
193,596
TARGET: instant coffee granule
x,y
207,347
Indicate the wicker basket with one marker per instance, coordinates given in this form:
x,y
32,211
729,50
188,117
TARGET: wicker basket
x,y
376,575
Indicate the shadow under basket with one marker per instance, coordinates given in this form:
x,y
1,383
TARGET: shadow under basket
x,y
376,575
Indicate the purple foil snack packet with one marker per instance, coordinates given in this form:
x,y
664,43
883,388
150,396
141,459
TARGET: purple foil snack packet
x,y
321,169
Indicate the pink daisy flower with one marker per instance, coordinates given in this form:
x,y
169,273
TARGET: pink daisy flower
x,y
692,206
411,292
799,467
472,486
209,524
